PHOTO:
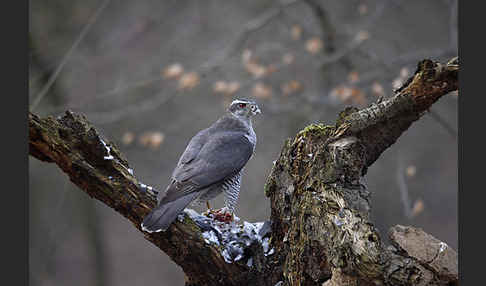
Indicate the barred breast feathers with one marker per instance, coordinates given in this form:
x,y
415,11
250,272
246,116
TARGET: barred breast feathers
x,y
231,189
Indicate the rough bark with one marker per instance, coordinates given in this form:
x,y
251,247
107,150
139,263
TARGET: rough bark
x,y
319,232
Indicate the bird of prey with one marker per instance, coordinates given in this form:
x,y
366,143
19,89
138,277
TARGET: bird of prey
x,y
211,164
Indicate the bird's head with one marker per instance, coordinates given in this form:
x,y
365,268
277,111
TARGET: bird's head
x,y
244,107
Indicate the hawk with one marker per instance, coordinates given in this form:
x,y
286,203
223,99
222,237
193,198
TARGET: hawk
x,y
211,164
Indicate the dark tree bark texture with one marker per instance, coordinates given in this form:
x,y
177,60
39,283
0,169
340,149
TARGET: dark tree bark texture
x,y
319,232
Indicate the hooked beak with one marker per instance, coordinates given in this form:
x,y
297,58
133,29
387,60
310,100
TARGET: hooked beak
x,y
256,110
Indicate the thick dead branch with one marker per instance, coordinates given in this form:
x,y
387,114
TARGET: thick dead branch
x,y
320,229
321,210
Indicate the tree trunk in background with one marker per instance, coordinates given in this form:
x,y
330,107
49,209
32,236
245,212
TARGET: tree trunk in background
x,y
319,232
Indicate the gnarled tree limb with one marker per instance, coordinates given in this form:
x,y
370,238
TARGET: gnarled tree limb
x,y
320,230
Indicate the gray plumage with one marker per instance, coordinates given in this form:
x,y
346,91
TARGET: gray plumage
x,y
211,164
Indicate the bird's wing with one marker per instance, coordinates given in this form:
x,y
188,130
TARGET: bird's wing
x,y
194,147
222,155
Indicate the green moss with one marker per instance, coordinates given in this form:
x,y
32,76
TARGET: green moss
x,y
267,189
343,114
191,224
316,129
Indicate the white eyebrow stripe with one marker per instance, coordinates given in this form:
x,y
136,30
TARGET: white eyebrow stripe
x,y
238,101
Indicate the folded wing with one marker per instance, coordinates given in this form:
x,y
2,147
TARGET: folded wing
x,y
220,156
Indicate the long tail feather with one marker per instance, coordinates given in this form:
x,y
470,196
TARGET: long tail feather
x,y
160,218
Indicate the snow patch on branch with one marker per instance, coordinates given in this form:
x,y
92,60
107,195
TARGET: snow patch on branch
x,y
108,150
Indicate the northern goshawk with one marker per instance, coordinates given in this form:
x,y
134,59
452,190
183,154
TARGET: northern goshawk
x,y
211,164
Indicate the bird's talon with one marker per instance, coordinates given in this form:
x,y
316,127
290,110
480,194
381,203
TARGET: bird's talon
x,y
208,212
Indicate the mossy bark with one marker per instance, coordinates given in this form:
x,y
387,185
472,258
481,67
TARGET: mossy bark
x,y
320,209
320,218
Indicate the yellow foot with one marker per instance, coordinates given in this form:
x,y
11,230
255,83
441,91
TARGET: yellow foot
x,y
209,210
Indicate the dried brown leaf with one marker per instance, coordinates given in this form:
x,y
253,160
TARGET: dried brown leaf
x,y
418,207
347,94
246,56
377,89
151,139
288,59
232,87
261,90
362,36
411,171
353,77
362,9
220,86
257,70
128,138
173,71
404,72
188,81
314,45
291,87
226,88
296,32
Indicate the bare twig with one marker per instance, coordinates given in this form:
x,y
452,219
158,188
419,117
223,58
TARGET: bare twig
x,y
448,128
214,62
403,188
379,9
251,26
80,37
328,30
355,43
144,106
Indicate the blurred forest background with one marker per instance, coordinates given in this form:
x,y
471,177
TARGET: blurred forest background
x,y
150,74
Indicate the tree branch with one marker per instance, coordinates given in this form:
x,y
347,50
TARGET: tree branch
x,y
97,167
321,209
320,229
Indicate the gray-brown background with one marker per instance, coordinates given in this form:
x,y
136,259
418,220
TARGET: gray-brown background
x,y
303,61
